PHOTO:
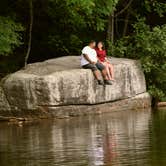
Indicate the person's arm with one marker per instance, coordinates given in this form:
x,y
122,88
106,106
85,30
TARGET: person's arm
x,y
88,59
106,58
98,60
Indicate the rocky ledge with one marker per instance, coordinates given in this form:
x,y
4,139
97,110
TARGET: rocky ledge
x,y
59,87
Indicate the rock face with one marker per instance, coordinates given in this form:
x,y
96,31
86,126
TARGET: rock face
x,y
4,105
62,82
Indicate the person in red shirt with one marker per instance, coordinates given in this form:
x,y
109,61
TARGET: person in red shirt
x,y
102,56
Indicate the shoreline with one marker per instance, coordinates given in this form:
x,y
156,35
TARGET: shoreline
x,y
162,104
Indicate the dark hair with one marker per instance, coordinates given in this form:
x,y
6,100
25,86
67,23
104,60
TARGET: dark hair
x,y
92,41
102,44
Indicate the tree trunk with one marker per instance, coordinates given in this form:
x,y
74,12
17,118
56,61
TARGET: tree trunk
x,y
110,30
155,102
30,32
126,24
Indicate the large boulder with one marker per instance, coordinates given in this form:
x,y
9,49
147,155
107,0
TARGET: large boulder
x,y
4,105
62,82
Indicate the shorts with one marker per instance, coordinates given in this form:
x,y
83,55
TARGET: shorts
x,y
94,67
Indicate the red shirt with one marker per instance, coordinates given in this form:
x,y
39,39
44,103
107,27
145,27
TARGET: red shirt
x,y
101,54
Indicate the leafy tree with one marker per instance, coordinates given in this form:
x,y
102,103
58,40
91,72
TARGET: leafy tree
x,y
148,45
82,20
10,35
156,6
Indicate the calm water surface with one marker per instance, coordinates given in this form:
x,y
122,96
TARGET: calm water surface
x,y
128,138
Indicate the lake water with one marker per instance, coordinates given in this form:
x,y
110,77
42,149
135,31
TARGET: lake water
x,y
128,138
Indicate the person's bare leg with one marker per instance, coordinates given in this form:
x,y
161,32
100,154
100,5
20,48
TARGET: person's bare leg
x,y
97,74
108,72
104,74
111,71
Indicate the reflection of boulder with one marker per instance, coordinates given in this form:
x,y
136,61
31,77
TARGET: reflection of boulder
x,y
119,138
56,84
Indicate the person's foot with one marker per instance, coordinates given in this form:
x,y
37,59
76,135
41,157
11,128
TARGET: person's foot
x,y
100,82
107,82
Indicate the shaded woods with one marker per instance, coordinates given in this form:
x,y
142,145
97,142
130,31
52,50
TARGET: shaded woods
x,y
35,30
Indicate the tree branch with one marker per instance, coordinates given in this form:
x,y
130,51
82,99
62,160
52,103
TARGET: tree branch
x,y
30,32
120,12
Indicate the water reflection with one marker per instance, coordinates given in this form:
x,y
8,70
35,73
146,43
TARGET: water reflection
x,y
114,139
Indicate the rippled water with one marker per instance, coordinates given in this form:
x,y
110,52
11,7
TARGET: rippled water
x,y
128,138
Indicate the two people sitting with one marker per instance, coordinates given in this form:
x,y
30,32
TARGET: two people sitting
x,y
95,59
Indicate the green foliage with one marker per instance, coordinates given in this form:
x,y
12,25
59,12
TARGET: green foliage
x,y
76,22
91,13
10,36
156,6
148,45
102,9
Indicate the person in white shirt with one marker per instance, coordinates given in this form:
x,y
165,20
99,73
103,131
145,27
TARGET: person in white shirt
x,y
89,60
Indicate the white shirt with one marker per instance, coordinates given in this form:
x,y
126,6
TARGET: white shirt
x,y
91,54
